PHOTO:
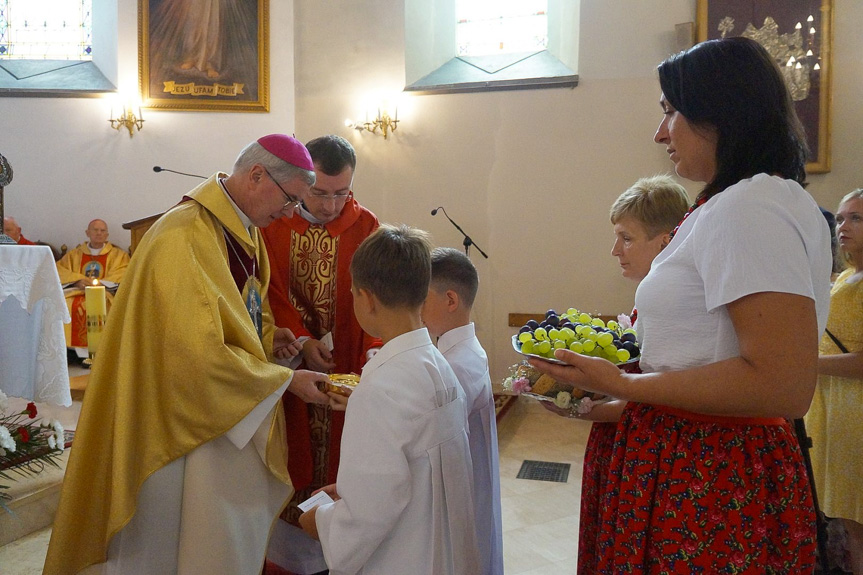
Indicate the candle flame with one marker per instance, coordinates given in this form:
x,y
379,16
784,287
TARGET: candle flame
x,y
95,282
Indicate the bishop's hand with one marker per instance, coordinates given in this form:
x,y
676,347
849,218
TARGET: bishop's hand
x,y
304,385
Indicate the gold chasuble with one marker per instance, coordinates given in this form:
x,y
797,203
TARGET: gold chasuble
x,y
110,264
179,365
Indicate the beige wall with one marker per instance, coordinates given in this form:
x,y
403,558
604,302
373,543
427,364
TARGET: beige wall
x,y
528,174
70,167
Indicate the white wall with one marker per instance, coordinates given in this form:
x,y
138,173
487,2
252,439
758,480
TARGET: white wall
x,y
70,166
530,175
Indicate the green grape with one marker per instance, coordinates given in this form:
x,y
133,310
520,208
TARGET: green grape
x,y
559,344
523,337
588,345
622,355
612,325
543,347
597,322
540,334
591,335
604,339
572,312
553,333
581,329
576,347
528,346
567,333
630,330
584,318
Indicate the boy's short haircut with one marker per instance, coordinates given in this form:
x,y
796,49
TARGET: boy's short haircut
x,y
451,269
657,202
394,264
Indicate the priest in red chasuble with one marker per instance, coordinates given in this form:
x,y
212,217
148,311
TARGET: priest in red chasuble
x,y
180,457
94,259
13,230
310,293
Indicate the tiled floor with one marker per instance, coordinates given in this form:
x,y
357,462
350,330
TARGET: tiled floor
x,y
540,518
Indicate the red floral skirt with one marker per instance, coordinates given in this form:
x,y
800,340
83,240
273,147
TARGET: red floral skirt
x,y
689,493
597,460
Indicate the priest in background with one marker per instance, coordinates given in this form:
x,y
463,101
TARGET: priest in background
x,y
13,230
94,259
179,463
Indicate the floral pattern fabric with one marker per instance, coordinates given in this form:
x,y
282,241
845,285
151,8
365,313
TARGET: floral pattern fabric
x,y
699,494
597,460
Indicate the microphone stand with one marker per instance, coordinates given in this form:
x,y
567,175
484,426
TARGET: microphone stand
x,y
467,243
161,169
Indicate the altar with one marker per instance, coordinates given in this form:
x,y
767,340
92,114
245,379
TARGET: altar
x,y
33,362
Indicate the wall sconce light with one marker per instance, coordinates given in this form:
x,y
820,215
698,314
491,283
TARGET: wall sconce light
x,y
382,122
127,119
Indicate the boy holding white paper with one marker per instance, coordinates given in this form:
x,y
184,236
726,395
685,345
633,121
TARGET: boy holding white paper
x,y
446,314
403,500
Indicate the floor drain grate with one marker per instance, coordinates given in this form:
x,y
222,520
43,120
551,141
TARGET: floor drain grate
x,y
544,471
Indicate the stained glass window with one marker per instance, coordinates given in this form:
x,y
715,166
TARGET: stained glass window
x,y
46,29
486,27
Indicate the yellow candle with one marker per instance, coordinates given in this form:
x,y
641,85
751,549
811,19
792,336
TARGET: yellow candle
x,y
94,302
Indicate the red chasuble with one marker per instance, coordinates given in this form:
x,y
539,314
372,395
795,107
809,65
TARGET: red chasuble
x,y
310,294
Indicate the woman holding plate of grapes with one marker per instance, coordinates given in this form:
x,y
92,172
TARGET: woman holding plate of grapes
x,y
706,474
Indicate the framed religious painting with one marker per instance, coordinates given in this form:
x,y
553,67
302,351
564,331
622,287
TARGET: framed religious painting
x,y
205,55
798,34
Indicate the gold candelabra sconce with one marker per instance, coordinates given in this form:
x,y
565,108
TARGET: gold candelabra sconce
x,y
383,122
127,119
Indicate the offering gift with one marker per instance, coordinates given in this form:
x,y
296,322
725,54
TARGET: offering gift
x,y
579,332
525,380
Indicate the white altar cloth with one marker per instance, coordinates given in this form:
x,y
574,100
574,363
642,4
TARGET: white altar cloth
x,y
32,313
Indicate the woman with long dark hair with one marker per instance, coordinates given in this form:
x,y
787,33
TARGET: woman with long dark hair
x,y
707,475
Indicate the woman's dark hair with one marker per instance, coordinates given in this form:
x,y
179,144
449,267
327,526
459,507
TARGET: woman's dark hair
x,y
733,86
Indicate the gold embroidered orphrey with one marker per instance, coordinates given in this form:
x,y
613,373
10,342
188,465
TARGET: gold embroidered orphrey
x,y
313,274
782,47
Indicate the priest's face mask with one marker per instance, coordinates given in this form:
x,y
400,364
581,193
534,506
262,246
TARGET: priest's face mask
x,y
328,196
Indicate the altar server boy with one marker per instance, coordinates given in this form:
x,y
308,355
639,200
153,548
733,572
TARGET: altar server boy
x,y
446,314
403,501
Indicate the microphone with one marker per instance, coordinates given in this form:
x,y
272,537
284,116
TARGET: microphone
x,y
161,169
467,241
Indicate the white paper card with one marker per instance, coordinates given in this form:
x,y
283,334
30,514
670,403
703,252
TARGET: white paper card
x,y
319,498
327,340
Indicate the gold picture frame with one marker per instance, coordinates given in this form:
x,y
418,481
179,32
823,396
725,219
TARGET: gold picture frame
x,y
773,23
196,55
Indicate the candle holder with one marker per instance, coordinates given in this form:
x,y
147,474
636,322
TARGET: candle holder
x,y
383,122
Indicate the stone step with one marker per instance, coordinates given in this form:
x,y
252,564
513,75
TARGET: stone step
x,y
34,501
